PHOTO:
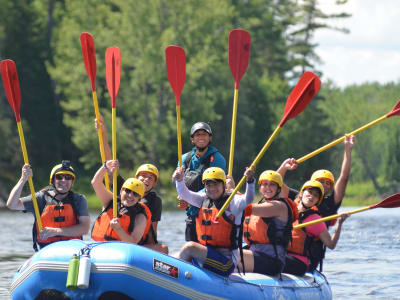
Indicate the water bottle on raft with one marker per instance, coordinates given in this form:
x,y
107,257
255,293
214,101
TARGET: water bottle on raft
x,y
72,276
84,272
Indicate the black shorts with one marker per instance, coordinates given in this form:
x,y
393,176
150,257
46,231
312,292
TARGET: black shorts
x,y
266,264
294,266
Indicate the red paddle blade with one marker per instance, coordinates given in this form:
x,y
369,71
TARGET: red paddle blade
x,y
9,76
239,42
389,202
395,111
175,58
304,91
89,57
113,72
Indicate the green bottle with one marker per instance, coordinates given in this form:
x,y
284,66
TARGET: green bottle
x,y
73,269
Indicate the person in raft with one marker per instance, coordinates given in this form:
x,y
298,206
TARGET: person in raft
x,y
302,255
148,174
134,217
334,192
267,227
64,214
218,241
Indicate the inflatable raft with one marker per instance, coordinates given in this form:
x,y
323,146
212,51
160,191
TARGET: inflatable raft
x,y
118,270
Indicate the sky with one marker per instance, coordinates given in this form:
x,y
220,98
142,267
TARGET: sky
x,y
370,52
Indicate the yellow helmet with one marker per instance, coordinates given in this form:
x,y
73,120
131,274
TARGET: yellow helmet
x,y
314,184
63,168
271,176
325,174
134,185
214,173
149,168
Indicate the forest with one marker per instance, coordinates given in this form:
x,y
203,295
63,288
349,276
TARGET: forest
x,y
42,37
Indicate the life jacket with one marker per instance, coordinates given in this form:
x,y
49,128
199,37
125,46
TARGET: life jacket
x,y
193,178
222,234
259,230
102,230
303,244
58,214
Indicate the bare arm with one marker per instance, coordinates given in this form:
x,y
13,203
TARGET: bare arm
x,y
287,164
331,241
76,230
341,183
138,230
271,209
14,202
104,195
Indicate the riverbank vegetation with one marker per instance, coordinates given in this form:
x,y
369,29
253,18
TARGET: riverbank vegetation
x,y
42,37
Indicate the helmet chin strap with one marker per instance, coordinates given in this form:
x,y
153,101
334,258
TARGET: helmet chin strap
x,y
303,204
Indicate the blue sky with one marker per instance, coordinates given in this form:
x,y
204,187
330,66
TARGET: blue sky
x,y
370,52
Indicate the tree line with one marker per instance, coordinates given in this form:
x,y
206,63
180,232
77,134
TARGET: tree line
x,y
42,37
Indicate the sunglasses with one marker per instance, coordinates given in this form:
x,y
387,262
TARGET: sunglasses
x,y
128,191
64,176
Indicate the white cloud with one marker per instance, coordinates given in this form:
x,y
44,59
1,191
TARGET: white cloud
x,y
371,52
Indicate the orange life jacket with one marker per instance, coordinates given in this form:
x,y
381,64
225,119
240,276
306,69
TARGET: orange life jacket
x,y
57,214
301,241
222,234
259,230
102,230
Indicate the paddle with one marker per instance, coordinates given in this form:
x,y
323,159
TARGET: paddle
x,y
176,70
389,202
307,87
239,42
89,58
113,77
10,79
394,112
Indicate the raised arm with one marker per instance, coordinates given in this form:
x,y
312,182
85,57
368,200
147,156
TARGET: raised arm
x,y
107,149
14,202
104,195
287,164
341,183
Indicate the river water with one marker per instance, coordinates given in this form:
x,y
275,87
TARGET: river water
x,y
364,265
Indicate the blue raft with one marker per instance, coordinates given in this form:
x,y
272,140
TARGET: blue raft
x,y
125,271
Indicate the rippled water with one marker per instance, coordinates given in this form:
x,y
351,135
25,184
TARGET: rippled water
x,y
364,265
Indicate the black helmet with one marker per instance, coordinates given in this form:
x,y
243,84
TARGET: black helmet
x,y
200,126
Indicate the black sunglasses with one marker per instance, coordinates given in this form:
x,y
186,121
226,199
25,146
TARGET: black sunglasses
x,y
128,191
64,176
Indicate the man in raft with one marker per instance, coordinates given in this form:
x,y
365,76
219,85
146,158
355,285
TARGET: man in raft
x,y
218,240
133,219
64,213
148,174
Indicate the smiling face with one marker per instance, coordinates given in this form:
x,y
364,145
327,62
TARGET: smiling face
x,y
201,138
214,189
326,183
129,197
63,183
148,179
268,189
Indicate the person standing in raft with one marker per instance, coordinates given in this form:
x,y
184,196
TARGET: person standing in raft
x,y
148,174
302,256
267,227
196,161
218,241
334,192
64,213
134,218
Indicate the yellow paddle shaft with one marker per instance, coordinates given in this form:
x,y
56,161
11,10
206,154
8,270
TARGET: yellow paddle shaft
x,y
330,218
114,155
32,189
233,131
100,135
178,133
339,140
254,163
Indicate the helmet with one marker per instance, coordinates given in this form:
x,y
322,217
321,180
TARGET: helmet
x,y
200,126
63,168
323,174
314,184
147,168
214,173
271,176
134,185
